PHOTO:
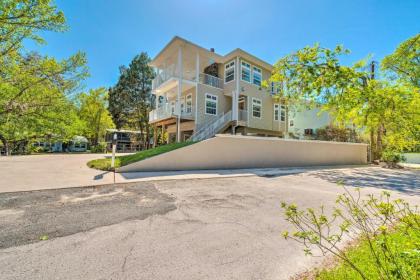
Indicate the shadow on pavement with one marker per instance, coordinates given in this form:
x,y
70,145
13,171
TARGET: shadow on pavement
x,y
404,181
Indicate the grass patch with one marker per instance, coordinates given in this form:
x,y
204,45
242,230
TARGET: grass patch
x,y
404,241
105,163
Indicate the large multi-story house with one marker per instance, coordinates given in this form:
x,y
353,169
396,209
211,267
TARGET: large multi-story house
x,y
200,93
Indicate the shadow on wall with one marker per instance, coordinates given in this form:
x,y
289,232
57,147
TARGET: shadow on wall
x,y
404,181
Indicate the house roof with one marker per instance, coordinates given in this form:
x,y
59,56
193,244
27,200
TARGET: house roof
x,y
177,41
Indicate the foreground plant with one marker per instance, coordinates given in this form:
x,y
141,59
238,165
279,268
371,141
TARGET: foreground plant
x,y
373,222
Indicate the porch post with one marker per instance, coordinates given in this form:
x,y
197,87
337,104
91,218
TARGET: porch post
x,y
178,98
155,134
197,80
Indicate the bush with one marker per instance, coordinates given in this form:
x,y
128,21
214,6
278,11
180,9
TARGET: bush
x,y
392,158
387,230
100,148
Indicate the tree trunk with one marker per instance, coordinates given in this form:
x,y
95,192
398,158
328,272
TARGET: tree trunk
x,y
379,141
5,144
372,146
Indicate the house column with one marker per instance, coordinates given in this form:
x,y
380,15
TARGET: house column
x,y
235,96
197,80
178,98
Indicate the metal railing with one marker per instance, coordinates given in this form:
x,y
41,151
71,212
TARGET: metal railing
x,y
209,129
166,111
211,80
243,115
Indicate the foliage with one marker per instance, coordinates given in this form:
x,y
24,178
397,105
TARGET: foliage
x,y
392,158
99,148
33,102
34,88
93,111
385,110
371,221
404,240
105,163
335,133
130,100
404,63
22,19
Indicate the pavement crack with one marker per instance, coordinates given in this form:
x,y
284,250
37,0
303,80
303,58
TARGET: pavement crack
x,y
126,258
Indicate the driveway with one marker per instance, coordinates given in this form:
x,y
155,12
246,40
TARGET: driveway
x,y
24,173
216,228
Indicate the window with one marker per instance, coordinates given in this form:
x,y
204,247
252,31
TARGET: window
x,y
291,123
308,131
211,104
245,71
256,108
276,112
256,76
173,107
283,113
230,71
188,108
182,101
275,88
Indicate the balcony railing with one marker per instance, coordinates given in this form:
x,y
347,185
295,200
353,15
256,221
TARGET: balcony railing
x,y
188,74
243,115
167,111
211,80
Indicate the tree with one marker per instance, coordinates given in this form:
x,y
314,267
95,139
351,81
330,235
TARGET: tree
x,y
385,110
93,111
131,100
22,19
33,100
404,63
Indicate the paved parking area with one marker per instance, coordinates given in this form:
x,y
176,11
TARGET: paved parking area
x,y
214,228
25,173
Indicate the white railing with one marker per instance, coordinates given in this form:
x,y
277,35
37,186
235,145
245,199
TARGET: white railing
x,y
172,72
243,115
167,111
211,80
210,128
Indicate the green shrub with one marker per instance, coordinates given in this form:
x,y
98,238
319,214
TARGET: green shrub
x,y
392,158
387,233
99,148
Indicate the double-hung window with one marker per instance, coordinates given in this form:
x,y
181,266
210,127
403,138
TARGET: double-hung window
x,y
230,71
283,113
256,108
211,104
172,107
188,107
256,76
245,71
276,112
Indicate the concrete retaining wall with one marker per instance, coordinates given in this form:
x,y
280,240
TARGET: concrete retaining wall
x,y
231,152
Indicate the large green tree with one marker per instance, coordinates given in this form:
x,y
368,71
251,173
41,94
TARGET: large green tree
x,y
130,100
386,110
34,88
23,19
93,111
404,62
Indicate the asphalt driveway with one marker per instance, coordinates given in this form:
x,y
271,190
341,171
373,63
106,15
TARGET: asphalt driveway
x,y
217,228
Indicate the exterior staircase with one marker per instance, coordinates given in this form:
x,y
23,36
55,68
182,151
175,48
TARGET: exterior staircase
x,y
211,128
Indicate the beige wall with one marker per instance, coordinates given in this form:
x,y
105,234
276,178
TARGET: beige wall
x,y
226,151
224,103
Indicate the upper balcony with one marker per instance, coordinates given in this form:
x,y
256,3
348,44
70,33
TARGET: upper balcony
x,y
168,78
185,60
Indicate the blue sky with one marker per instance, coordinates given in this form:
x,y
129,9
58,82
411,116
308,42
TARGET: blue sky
x,y
112,32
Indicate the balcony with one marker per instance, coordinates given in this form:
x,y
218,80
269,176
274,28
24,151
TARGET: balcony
x,y
211,80
168,78
166,111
